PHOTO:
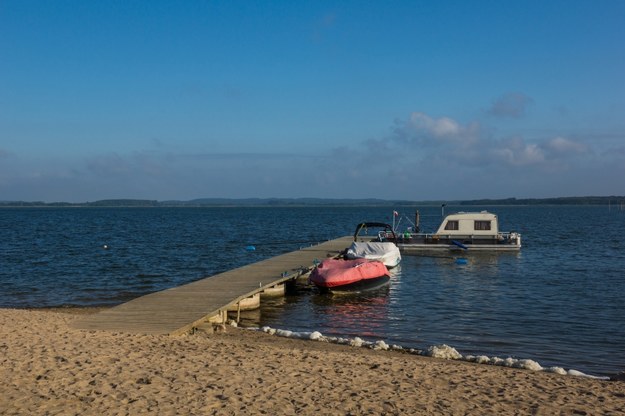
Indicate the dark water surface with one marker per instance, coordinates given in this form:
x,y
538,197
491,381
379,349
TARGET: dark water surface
x,y
559,301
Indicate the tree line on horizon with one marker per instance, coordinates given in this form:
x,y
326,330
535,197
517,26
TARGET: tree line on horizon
x,y
268,202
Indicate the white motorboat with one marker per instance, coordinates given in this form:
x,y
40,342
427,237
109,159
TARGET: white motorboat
x,y
379,249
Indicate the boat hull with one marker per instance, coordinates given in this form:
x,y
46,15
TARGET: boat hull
x,y
360,286
416,243
483,248
336,275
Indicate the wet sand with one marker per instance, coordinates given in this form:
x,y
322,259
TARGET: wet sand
x,y
49,368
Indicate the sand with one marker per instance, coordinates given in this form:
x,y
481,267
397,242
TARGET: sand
x,y
48,368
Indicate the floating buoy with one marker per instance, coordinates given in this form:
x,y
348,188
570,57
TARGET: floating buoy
x,y
250,248
461,261
105,247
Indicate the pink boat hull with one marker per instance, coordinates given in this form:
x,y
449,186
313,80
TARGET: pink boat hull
x,y
357,274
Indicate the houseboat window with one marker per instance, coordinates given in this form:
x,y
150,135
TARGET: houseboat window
x,y
482,225
451,225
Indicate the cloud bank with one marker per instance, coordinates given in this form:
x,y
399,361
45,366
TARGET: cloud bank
x,y
423,157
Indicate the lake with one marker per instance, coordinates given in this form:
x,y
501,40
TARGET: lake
x,y
559,301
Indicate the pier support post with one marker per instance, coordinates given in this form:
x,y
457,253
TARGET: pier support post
x,y
274,291
220,318
253,302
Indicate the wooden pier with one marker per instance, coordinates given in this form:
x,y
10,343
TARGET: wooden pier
x,y
180,309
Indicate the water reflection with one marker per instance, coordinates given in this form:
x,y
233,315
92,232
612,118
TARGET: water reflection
x,y
361,314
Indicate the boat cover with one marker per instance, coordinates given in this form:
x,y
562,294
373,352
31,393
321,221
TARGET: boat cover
x,y
386,252
337,272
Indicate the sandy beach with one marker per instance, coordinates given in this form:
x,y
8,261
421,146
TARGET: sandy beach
x,y
49,368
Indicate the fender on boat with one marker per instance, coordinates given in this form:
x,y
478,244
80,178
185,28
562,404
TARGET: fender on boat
x,y
459,244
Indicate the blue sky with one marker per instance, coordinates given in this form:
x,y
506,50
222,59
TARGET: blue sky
x,y
413,100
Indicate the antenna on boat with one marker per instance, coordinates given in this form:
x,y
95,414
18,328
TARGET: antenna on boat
x,y
395,214
443,210
416,221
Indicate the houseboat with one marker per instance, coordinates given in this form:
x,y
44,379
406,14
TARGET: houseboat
x,y
462,231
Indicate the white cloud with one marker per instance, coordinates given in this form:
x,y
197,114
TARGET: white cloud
x,y
511,104
439,128
444,141
421,129
515,152
560,146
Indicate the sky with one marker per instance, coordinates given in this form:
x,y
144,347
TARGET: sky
x,y
414,100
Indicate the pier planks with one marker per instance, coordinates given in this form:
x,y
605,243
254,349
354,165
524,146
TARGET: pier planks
x,y
177,310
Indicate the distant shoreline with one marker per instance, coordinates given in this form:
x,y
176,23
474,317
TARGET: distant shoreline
x,y
318,202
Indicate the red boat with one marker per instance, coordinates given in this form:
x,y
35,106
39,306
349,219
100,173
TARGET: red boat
x,y
349,275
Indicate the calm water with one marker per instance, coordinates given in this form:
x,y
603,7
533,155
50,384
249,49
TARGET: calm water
x,y
559,301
